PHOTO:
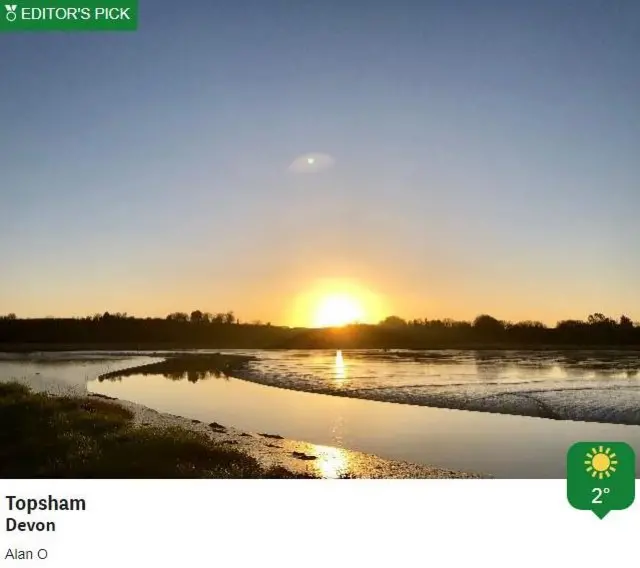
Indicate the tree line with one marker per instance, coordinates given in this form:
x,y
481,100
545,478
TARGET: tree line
x,y
225,330
597,329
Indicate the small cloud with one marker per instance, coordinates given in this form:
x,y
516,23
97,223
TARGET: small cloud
x,y
311,163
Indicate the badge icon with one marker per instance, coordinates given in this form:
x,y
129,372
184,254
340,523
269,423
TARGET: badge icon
x,y
601,476
11,12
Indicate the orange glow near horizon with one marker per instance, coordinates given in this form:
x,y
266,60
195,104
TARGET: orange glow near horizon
x,y
335,304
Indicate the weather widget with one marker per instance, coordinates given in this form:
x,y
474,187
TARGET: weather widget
x,y
601,476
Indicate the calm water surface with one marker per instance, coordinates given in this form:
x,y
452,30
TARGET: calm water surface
x,y
501,445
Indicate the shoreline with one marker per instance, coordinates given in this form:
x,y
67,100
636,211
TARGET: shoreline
x,y
304,458
166,437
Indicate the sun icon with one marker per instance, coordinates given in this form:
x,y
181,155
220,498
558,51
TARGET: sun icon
x,y
601,462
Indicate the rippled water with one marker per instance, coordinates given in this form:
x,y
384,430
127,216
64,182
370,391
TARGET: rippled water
x,y
397,369
572,385
569,385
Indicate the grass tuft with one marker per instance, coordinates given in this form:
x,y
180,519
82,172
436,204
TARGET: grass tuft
x,y
43,436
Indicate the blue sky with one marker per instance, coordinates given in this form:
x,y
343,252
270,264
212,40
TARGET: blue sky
x,y
485,159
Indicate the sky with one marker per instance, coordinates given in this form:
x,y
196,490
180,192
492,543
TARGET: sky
x,y
477,157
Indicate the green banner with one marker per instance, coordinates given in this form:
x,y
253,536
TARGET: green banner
x,y
601,476
68,15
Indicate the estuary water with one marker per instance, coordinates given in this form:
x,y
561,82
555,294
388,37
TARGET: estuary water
x,y
506,414
594,386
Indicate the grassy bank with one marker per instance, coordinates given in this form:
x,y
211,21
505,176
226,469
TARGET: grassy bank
x,y
43,436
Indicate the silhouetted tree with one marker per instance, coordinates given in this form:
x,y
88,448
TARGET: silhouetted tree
x,y
196,317
486,324
393,321
626,323
600,319
178,316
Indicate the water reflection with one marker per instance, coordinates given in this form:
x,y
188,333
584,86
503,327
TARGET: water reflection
x,y
340,369
192,376
332,463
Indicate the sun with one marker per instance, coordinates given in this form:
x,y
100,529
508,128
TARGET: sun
x,y
337,310
335,302
600,462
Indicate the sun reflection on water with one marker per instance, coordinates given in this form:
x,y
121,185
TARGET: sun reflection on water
x,y
340,369
331,463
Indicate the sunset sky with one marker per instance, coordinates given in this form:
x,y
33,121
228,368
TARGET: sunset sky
x,y
465,157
